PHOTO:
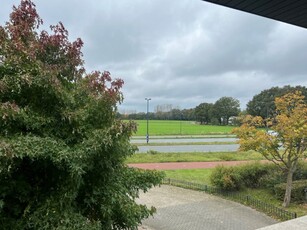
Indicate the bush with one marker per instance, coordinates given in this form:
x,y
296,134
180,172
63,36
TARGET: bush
x,y
272,178
297,194
251,174
275,177
301,172
226,178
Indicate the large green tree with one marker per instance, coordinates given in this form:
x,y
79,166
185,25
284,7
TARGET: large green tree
x,y
263,104
203,112
226,107
62,151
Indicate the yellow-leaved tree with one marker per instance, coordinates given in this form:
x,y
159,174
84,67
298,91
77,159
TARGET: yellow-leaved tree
x,y
287,145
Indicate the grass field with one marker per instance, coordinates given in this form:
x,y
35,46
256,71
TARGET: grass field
x,y
158,127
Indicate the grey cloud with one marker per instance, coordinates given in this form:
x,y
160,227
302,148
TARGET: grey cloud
x,y
180,52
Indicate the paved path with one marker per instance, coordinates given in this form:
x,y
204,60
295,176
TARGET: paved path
x,y
183,209
187,165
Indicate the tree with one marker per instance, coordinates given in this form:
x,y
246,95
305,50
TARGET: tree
x,y
226,107
203,113
62,150
263,104
288,143
188,114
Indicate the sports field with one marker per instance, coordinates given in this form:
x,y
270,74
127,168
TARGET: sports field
x,y
166,127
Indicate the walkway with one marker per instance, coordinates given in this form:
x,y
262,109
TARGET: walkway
x,y
183,209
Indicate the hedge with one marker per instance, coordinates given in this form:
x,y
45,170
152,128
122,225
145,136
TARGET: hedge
x,y
297,193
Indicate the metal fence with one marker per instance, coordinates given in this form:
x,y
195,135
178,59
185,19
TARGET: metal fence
x,y
245,199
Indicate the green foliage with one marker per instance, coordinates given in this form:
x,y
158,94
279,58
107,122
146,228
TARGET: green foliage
x,y
236,177
251,174
290,127
62,151
297,193
263,104
301,171
226,107
226,178
272,178
214,121
203,112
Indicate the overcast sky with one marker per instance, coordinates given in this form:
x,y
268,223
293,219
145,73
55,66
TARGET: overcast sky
x,y
180,52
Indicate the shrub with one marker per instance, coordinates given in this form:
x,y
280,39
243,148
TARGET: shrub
x,y
272,178
301,172
251,174
297,194
275,177
225,178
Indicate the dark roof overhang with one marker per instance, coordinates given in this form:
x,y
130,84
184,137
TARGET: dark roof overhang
x,y
289,11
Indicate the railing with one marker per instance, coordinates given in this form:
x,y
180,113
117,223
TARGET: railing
x,y
245,199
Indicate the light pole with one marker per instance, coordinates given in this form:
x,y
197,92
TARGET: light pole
x,y
147,134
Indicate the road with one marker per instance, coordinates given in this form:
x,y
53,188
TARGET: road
x,y
187,148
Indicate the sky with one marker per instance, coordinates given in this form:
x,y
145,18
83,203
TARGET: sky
x,y
179,52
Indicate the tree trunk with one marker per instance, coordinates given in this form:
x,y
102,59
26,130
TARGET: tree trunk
x,y
287,197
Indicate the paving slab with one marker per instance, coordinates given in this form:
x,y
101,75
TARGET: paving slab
x,y
180,209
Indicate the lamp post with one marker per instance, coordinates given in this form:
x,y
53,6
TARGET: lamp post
x,y
147,134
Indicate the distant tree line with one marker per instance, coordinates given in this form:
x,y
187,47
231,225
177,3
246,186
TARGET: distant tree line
x,y
174,114
205,113
224,111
